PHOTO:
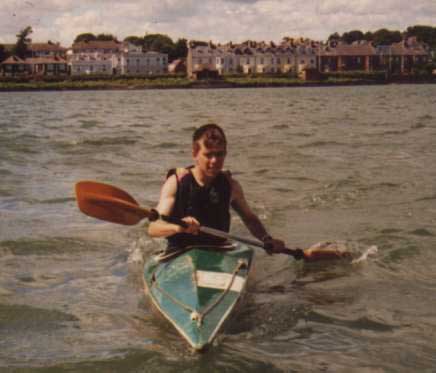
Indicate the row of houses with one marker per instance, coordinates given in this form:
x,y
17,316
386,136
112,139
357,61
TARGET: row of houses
x,y
298,55
250,57
293,56
94,57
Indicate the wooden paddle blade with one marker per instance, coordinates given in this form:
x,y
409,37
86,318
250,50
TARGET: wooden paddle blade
x,y
84,188
108,203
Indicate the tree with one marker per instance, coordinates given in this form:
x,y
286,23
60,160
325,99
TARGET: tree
x,y
21,47
135,40
352,36
106,37
334,36
158,43
386,37
368,36
180,49
425,34
3,54
85,37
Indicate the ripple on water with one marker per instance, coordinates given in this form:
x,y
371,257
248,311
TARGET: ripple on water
x,y
86,123
22,318
167,145
322,143
280,127
107,141
360,323
422,232
48,246
418,126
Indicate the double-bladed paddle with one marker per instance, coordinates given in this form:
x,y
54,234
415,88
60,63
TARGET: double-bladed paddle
x,y
112,204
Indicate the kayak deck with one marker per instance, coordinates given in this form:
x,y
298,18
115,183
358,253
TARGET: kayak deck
x,y
197,290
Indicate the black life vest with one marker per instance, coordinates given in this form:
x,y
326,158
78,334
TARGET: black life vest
x,y
209,205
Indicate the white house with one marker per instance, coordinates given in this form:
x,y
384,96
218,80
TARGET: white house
x,y
94,57
112,57
132,60
202,56
251,57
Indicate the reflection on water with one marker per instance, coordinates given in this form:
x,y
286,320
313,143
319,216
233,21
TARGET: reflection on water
x,y
346,164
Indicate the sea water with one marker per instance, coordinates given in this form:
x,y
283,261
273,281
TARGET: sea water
x,y
354,165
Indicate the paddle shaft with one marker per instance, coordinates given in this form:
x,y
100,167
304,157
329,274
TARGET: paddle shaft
x,y
154,215
106,202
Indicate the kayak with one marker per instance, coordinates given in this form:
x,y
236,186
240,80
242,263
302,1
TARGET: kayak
x,y
199,289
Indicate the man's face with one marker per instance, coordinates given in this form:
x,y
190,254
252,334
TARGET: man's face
x,y
210,160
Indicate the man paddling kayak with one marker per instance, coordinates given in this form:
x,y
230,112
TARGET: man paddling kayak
x,y
194,205
201,195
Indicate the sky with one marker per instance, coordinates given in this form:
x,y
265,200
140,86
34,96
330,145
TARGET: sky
x,y
217,20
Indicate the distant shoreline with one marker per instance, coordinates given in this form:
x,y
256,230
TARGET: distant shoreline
x,y
184,83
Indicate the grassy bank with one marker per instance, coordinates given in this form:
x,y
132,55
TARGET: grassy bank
x,y
166,82
94,84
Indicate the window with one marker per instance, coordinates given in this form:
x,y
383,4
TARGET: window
x,y
261,61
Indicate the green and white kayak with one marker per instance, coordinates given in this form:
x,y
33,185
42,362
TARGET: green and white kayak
x,y
198,289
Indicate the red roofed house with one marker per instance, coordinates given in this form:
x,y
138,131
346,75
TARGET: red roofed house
x,y
14,67
404,56
177,66
362,55
42,59
338,56
47,66
48,49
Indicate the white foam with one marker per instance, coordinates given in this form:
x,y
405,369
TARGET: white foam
x,y
372,250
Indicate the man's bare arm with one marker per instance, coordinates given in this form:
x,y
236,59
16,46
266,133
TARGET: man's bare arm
x,y
160,228
250,219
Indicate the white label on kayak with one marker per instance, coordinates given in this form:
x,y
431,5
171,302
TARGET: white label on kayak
x,y
219,280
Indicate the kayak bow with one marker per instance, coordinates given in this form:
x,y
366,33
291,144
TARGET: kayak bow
x,y
198,289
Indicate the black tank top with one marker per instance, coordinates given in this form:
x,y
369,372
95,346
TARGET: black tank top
x,y
209,205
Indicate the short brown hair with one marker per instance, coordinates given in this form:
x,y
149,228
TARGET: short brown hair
x,y
213,136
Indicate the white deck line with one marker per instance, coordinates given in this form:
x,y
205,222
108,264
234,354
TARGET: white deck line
x,y
219,280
